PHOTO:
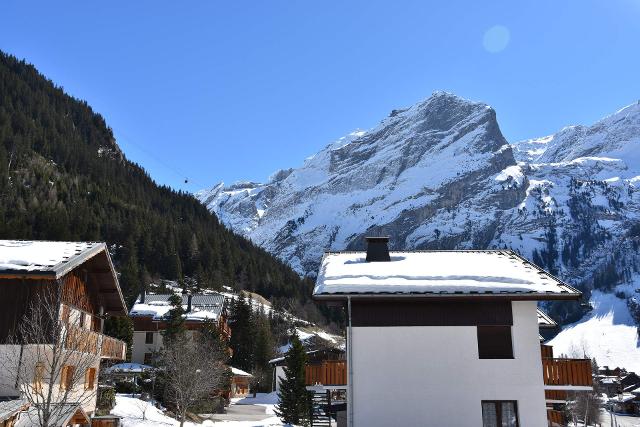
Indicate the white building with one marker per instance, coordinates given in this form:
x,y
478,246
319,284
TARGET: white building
x,y
441,338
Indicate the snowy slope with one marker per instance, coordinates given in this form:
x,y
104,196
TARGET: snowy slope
x,y
608,333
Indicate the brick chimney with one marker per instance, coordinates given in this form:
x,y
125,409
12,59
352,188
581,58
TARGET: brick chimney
x,y
378,249
189,302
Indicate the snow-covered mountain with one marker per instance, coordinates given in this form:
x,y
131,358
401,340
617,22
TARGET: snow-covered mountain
x,y
441,175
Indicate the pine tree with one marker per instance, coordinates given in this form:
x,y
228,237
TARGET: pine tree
x,y
242,338
295,403
175,319
262,351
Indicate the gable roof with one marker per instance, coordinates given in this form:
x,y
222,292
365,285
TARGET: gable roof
x,y
458,273
49,260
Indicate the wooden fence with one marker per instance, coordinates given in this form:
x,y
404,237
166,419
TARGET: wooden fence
x,y
574,372
329,372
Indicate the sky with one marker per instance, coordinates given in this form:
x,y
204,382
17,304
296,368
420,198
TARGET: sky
x,y
210,91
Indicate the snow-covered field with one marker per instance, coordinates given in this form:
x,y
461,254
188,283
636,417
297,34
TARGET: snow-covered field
x,y
131,410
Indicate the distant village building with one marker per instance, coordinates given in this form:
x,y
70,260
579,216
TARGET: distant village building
x,y
82,277
455,333
148,314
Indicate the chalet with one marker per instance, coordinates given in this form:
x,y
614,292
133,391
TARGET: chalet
x,y
148,314
239,383
84,290
454,333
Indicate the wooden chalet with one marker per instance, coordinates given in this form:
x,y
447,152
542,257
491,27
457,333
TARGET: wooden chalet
x,y
79,278
148,315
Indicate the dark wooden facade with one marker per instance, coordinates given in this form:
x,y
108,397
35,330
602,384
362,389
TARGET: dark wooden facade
x,y
425,312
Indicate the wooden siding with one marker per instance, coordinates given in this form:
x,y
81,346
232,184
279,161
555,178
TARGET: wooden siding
x,y
555,418
76,292
329,372
431,313
573,372
17,294
546,351
555,395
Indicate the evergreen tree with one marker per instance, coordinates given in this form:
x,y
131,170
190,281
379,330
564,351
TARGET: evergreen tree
x,y
242,337
295,402
262,351
174,319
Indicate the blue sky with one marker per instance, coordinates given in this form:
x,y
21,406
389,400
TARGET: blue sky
x,y
211,90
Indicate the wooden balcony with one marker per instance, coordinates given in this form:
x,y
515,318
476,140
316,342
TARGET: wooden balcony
x,y
570,373
88,341
113,348
329,372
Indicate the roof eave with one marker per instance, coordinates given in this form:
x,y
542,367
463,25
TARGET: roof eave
x,y
509,296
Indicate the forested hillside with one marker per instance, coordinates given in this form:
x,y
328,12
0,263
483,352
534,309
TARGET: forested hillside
x,y
63,177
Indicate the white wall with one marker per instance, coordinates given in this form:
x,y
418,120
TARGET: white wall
x,y
139,347
432,376
279,375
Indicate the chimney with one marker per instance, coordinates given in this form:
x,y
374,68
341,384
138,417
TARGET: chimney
x,y
377,249
143,294
189,302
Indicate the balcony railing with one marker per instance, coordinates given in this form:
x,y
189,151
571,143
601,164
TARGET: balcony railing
x,y
113,348
88,341
567,372
329,372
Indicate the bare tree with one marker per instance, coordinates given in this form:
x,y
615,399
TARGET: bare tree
x,y
50,362
194,368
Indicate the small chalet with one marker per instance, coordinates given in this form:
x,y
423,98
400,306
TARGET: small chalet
x,y
148,314
240,382
83,285
454,333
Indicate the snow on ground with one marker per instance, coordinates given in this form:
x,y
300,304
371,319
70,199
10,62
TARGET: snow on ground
x,y
131,410
607,333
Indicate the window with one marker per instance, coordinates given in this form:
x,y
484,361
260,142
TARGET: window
x,y
89,378
147,358
38,376
499,413
148,339
66,377
494,342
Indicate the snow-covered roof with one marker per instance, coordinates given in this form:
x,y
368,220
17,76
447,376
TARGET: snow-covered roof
x,y
9,408
545,321
240,372
203,306
437,273
31,257
61,415
39,259
128,368
622,398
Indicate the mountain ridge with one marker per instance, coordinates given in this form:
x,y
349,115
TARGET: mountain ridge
x,y
440,175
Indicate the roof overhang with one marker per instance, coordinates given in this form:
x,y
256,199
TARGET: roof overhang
x,y
450,297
